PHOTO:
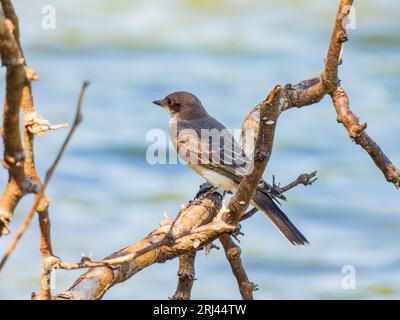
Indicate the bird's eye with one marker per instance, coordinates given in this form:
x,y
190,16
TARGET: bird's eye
x,y
169,101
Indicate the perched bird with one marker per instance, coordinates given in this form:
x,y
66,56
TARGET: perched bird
x,y
210,150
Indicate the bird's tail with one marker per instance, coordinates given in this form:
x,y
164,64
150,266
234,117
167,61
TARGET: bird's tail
x,y
279,218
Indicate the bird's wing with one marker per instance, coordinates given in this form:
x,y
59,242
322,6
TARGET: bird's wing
x,y
208,143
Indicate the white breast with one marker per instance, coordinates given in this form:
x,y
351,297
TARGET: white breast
x,y
215,178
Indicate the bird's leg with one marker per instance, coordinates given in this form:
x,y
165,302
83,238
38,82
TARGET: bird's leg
x,y
203,190
238,233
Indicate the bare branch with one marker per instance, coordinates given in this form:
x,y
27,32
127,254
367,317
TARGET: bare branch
x,y
339,36
357,133
232,253
35,124
14,155
311,91
13,56
306,179
268,112
186,275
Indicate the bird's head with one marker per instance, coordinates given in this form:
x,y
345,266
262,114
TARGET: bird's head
x,y
182,106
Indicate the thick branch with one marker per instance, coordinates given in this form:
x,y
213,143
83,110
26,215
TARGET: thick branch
x,y
14,155
268,112
186,275
33,124
232,253
338,37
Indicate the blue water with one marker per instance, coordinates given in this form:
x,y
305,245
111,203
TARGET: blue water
x,y
230,54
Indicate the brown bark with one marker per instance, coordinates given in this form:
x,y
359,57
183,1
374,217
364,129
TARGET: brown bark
x,y
186,275
14,155
268,111
232,253
19,94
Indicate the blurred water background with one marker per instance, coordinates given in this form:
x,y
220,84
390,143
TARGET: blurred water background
x,y
229,53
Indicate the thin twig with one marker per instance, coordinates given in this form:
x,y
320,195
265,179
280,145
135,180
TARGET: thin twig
x,y
306,179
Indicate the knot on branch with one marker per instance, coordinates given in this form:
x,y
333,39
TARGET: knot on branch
x,y
330,85
85,259
273,95
5,218
342,37
10,52
355,130
51,262
67,295
186,274
233,253
16,159
31,74
393,175
304,93
344,114
43,205
247,288
250,286
262,155
35,124
307,179
28,186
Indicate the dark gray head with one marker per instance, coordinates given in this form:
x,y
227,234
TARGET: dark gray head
x,y
182,106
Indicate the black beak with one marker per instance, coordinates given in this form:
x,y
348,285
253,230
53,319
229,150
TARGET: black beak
x,y
158,102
